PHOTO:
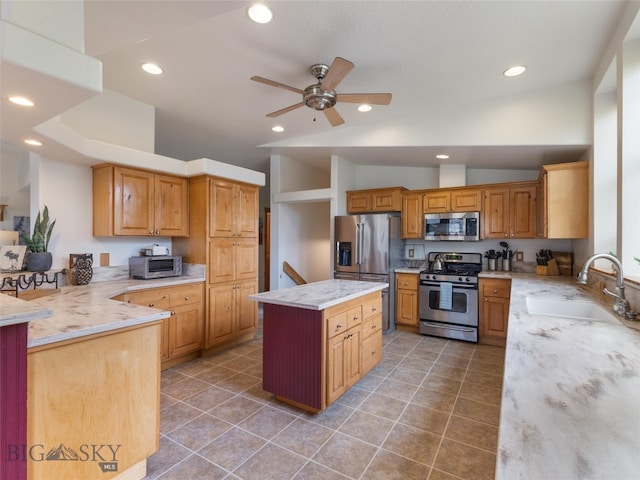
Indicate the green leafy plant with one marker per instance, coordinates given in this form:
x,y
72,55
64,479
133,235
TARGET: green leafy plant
x,y
39,241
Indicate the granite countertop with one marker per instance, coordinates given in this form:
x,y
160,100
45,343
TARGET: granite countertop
x,y
408,270
78,311
319,295
571,391
14,311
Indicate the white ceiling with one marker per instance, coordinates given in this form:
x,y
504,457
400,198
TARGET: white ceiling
x,y
431,55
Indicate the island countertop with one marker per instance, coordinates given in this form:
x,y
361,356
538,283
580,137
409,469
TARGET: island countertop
x,y
319,295
78,311
571,391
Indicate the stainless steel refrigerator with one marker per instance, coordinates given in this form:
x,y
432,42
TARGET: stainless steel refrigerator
x,y
369,248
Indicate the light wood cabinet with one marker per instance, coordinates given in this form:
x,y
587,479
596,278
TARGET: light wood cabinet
x,y
510,211
182,332
371,333
232,260
412,215
233,209
443,201
563,201
375,201
407,289
128,201
495,295
231,314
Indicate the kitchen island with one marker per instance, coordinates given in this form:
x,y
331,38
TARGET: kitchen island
x,y
319,339
93,380
571,391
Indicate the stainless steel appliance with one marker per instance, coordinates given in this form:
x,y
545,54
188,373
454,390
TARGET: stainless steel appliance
x,y
160,266
454,226
449,296
369,248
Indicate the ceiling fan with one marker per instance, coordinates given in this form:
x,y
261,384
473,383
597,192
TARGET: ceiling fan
x,y
322,95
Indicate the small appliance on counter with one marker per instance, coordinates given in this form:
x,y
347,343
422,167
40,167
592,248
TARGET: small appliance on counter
x,y
155,250
159,266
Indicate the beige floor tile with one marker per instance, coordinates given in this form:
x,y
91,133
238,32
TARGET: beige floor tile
x,y
407,375
383,406
239,382
346,455
185,388
271,462
367,427
354,397
332,417
314,471
209,398
428,397
389,466
443,384
236,409
417,364
464,461
481,412
413,443
398,348
170,377
439,475
166,401
303,437
199,432
215,374
241,364
193,367
453,360
483,378
176,416
420,353
479,365
477,434
169,454
267,422
232,448
425,418
460,349
399,390
370,381
481,393
448,371
194,467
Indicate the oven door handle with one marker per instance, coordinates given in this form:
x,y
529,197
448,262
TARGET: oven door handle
x,y
455,285
449,327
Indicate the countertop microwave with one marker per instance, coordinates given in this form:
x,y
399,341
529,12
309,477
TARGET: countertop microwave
x,y
453,226
158,266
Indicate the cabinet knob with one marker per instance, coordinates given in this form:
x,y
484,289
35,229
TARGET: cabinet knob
x,y
173,313
157,232
150,232
495,290
486,299
187,297
152,304
374,309
338,326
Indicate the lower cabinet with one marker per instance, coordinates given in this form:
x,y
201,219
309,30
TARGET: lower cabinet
x,y
371,333
407,285
495,296
182,331
231,313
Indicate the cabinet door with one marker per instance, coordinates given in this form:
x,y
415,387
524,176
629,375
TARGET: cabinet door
x,y
371,351
171,206
523,212
247,211
336,368
407,307
412,216
495,316
134,199
185,329
436,202
221,195
220,322
385,201
222,260
354,355
247,310
246,259
466,200
358,202
496,213
164,339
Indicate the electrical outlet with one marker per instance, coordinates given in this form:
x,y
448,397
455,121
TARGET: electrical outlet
x,y
104,259
519,256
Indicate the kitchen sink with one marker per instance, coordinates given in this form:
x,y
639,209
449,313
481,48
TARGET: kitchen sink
x,y
551,307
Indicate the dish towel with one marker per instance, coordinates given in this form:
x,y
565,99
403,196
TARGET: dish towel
x,y
446,295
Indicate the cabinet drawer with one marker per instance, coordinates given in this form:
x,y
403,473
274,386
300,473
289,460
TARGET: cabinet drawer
x,y
185,295
372,306
158,298
337,324
408,281
371,325
496,288
354,316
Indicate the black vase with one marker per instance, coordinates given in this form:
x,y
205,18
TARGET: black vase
x,y
39,261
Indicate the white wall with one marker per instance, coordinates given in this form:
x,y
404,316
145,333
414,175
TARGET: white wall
x,y
14,183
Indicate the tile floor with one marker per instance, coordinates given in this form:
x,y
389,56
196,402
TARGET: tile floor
x,y
429,410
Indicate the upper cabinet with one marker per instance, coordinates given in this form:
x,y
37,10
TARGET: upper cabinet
x,y
510,211
128,201
233,209
443,200
563,204
375,201
412,216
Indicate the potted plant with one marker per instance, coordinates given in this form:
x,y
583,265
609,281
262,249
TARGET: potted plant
x,y
39,258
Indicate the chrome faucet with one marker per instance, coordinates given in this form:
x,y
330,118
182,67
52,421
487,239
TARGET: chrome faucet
x,y
621,305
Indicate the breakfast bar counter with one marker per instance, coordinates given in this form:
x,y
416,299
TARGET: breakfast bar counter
x,y
319,339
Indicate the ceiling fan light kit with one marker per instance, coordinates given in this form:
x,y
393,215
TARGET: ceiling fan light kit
x,y
322,95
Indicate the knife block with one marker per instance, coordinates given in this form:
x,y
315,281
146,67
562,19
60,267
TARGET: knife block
x,y
550,269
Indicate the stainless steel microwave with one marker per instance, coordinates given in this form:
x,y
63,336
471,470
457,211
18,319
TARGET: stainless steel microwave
x,y
159,266
454,226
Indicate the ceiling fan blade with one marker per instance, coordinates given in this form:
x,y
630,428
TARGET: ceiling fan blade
x,y
333,116
370,98
277,113
273,83
337,71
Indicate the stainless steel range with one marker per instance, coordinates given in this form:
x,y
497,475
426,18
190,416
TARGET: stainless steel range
x,y
449,295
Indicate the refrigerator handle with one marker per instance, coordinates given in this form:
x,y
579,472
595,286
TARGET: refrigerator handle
x,y
360,244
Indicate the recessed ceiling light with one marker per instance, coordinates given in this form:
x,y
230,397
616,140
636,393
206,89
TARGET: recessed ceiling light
x,y
33,141
442,156
278,129
365,108
151,68
260,13
514,71
22,101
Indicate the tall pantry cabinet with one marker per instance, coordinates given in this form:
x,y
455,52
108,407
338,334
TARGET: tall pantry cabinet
x,y
223,235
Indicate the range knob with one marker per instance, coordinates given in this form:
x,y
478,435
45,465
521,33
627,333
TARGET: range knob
x,y
433,277
460,279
